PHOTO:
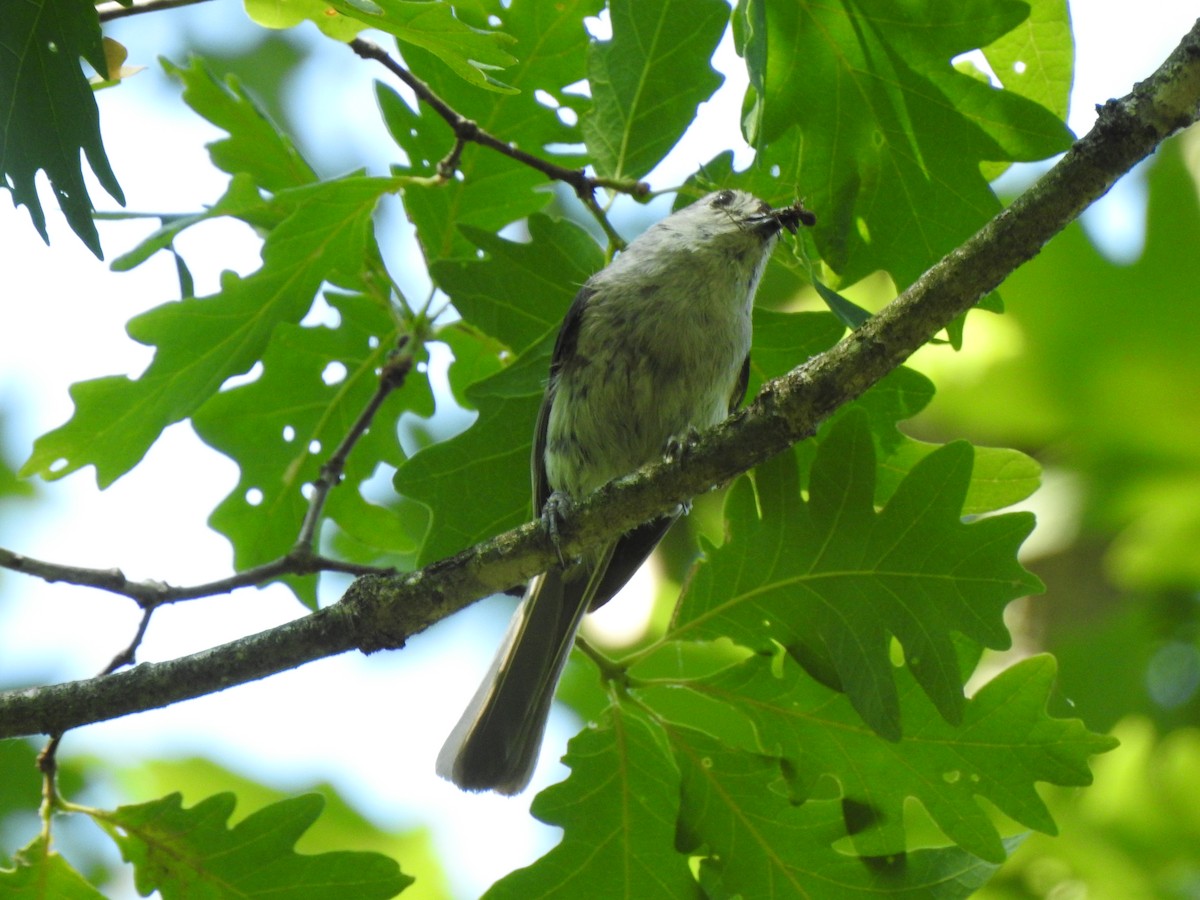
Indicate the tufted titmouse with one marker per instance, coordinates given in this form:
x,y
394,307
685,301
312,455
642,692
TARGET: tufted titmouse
x,y
654,348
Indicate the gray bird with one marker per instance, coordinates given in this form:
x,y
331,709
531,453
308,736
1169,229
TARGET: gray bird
x,y
654,348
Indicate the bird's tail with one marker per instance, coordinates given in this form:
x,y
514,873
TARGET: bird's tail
x,y
495,744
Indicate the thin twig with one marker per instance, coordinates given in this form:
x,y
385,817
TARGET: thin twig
x,y
110,11
468,131
393,375
149,594
127,656
48,759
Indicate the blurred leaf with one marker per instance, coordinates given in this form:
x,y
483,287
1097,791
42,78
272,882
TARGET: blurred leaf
x,y
11,487
494,190
472,53
617,810
1133,833
116,71
290,13
339,825
41,874
835,580
642,101
21,787
283,426
255,145
894,120
201,342
41,82
193,852
1102,382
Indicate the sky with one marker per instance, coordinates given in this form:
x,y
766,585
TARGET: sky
x,y
64,318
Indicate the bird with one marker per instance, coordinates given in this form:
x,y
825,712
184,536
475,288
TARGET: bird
x,y
654,348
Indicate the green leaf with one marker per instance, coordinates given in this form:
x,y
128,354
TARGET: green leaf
x,y
494,190
519,294
201,342
834,580
493,453
255,145
49,110
851,314
11,487
521,290
757,843
618,811
290,13
999,477
194,853
340,824
41,874
282,427
899,395
897,133
1005,743
241,200
783,341
1130,832
648,80
472,53
1036,59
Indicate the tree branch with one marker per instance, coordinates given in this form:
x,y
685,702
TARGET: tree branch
x,y
384,611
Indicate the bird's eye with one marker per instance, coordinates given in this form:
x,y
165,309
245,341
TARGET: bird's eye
x,y
723,198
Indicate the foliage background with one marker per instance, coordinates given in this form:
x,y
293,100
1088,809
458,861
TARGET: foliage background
x,y
1089,372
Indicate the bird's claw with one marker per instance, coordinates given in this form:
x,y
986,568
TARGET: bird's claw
x,y
553,513
679,445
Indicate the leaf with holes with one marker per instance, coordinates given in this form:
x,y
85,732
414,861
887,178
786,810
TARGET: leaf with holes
x,y
201,342
897,132
283,426
1005,743
756,842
